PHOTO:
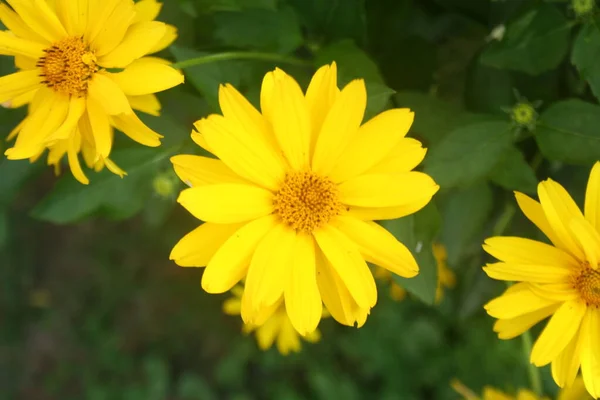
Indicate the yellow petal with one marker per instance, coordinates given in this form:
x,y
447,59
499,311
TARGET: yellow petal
x,y
290,120
112,167
372,143
528,272
108,94
73,157
340,126
392,190
232,306
378,246
526,251
288,339
147,103
11,45
576,391
592,197
39,16
383,213
101,129
266,92
14,23
490,393
239,151
198,171
259,316
269,269
23,99
146,76
566,365
516,303
147,10
349,265
133,127
110,26
165,41
267,333
588,239
320,96
590,351
76,109
230,263
197,247
302,296
559,209
16,84
513,327
74,15
139,39
226,203
558,332
534,212
404,157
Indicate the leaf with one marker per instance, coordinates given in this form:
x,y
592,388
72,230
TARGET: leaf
x,y
586,56
513,173
535,42
417,232
269,30
354,63
3,228
13,175
193,387
468,153
464,214
568,131
434,118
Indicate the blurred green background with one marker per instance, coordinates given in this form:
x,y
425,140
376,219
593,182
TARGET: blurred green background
x,y
91,307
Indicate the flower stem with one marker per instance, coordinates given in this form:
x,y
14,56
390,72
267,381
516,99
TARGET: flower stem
x,y
534,372
240,55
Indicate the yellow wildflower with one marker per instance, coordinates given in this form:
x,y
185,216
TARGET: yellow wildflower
x,y
64,50
289,205
560,281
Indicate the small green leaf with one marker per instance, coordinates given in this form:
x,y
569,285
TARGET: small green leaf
x,y
568,131
354,63
417,232
468,153
513,173
464,214
586,56
534,43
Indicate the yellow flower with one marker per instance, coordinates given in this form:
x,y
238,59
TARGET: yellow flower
x,y
82,70
446,278
575,392
289,205
272,325
560,280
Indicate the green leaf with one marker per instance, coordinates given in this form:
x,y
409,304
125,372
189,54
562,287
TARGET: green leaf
x,y
535,42
465,213
568,131
354,63
14,174
417,232
434,118
586,56
468,153
3,227
267,30
513,173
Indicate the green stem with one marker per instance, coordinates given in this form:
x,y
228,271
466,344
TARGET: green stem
x,y
504,220
534,372
240,55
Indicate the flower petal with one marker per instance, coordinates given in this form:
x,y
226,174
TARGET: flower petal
x,y
133,127
11,45
137,42
372,143
100,127
592,197
383,213
15,24
76,110
108,94
110,25
230,263
302,296
378,246
514,303
74,15
73,158
588,239
146,76
147,103
340,126
513,327
226,203
199,171
526,251
590,351
404,157
147,10
38,15
559,331
320,96
198,247
528,272
566,365
16,84
534,212
288,339
165,41
349,265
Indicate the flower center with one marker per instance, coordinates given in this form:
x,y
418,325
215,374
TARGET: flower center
x,y
68,66
307,201
588,285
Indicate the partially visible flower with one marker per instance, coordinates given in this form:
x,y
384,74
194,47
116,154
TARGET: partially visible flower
x,y
446,277
583,8
165,184
559,280
523,114
273,326
575,392
83,69
290,203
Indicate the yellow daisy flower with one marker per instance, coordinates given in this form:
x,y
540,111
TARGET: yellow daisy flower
x,y
82,70
272,326
559,280
289,205
446,277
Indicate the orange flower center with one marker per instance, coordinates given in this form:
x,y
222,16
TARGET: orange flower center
x,y
307,201
588,285
68,66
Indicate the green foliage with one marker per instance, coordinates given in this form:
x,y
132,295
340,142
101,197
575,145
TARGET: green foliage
x,y
586,56
513,173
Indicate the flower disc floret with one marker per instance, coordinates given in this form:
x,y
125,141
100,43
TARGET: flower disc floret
x,y
587,283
